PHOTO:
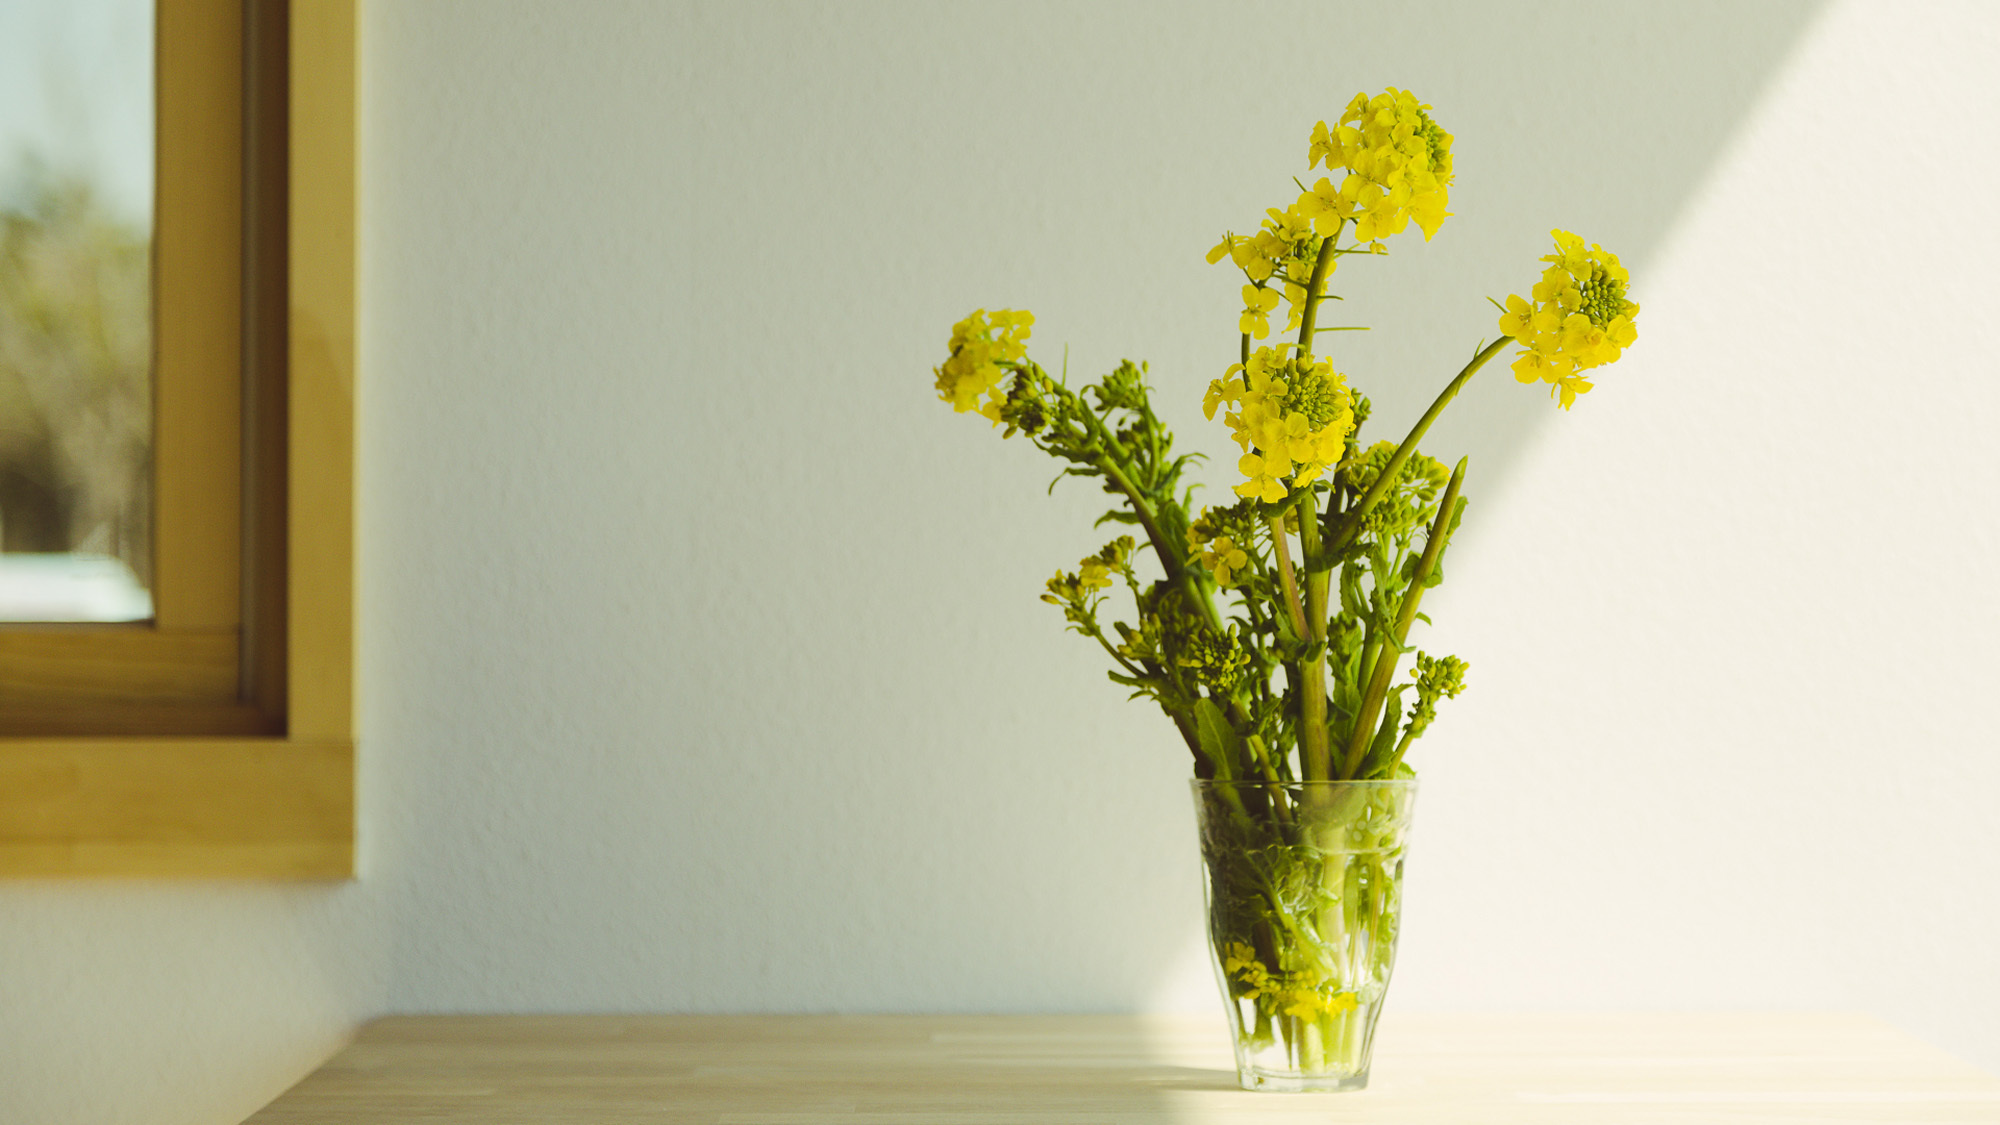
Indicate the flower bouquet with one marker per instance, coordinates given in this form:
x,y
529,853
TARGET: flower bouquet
x,y
1270,630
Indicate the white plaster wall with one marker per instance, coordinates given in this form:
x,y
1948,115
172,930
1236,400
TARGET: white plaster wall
x,y
702,667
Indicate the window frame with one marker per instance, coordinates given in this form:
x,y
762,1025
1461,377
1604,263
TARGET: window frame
x,y
166,749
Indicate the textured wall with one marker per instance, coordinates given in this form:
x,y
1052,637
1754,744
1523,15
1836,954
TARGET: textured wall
x,y
702,663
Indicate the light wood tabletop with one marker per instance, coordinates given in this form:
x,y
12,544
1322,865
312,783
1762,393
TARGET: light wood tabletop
x,y
1480,1069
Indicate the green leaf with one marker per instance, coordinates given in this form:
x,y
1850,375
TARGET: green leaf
x,y
1351,600
1384,746
1219,740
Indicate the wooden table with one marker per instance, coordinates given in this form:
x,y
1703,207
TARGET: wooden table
x,y
1485,1069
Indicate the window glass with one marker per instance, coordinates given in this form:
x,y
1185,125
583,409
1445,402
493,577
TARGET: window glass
x,y
76,228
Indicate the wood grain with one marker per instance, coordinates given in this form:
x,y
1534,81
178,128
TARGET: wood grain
x,y
1430,1069
133,664
196,807
321,345
71,719
197,321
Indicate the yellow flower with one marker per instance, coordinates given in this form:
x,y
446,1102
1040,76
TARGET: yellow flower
x,y
1292,416
1310,1004
1324,205
1216,539
1285,436
1578,318
1399,167
1257,306
1570,386
1263,473
1427,208
1322,146
1256,255
1225,558
1289,226
1220,391
983,347
1064,590
1238,957
1519,315
1240,963
1532,365
1376,214
1095,575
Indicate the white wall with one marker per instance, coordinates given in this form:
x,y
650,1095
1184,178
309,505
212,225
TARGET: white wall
x,y
702,664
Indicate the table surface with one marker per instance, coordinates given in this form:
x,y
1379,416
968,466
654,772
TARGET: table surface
x,y
1476,1069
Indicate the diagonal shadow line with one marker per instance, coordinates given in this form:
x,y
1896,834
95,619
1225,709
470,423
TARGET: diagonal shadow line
x,y
1600,120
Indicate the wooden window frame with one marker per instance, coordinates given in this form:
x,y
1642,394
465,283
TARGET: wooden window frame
x,y
218,740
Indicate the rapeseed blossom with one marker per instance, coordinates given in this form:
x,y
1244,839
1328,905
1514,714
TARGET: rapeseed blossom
x,y
982,347
1398,164
1222,557
1410,498
1216,659
1291,419
1399,168
1257,305
1285,246
1578,318
1222,539
1256,255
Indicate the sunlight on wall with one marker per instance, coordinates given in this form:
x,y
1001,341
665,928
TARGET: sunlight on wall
x,y
754,453
651,294
1730,622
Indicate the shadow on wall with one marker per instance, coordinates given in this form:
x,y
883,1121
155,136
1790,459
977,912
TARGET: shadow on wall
x,y
845,183
1598,119
967,157
612,876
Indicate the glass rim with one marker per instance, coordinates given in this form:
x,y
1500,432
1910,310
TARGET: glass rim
x,y
1217,783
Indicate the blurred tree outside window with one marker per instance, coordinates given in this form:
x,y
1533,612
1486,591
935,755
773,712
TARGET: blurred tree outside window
x,y
76,341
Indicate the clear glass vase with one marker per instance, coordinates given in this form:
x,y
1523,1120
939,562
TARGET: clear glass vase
x,y
1305,886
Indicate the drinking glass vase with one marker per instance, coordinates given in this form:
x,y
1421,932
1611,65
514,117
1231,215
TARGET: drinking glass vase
x,y
1304,888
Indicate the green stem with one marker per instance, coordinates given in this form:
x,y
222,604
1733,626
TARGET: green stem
x,y
1174,564
1371,648
1170,556
1111,462
1321,265
1283,550
1365,672
1402,748
1136,673
1392,646
1312,1052
1194,744
1315,751
1315,754
1350,527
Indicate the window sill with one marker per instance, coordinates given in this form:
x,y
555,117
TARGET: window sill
x,y
183,807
